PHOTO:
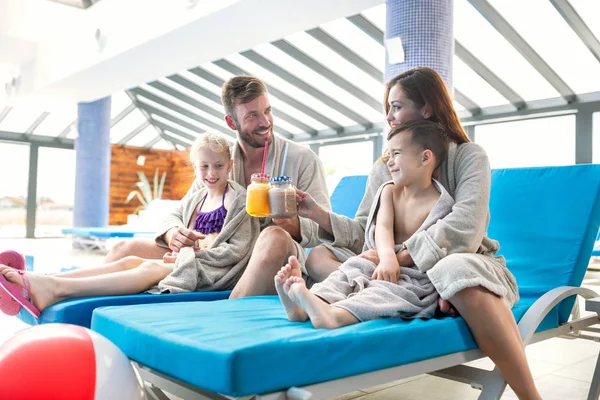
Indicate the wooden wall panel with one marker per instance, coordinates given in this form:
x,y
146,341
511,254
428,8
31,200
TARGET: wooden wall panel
x,y
123,176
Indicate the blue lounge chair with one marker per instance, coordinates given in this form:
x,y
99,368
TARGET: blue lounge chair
x,y
546,220
79,311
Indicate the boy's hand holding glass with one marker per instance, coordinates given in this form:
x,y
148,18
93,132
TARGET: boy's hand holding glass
x,y
387,270
307,206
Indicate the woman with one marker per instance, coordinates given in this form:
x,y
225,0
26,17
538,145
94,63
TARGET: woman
x,y
459,259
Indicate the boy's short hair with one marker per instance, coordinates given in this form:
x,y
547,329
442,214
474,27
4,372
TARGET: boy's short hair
x,y
425,134
240,90
212,141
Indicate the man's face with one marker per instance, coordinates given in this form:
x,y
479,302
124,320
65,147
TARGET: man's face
x,y
254,121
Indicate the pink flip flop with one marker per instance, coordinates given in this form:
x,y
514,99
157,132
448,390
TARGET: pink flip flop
x,y
10,258
13,259
18,293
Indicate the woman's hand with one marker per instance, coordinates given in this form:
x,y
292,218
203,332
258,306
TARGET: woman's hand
x,y
404,259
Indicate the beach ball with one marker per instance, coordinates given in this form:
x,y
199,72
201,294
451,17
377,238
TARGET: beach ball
x,y
64,362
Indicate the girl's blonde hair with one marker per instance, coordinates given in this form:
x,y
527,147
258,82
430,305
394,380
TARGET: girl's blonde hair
x,y
212,141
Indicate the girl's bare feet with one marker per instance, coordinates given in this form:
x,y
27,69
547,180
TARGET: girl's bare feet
x,y
42,290
292,269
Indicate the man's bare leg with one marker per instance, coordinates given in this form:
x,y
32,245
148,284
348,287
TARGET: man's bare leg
x,y
143,248
495,331
108,268
320,263
321,314
292,268
271,251
46,290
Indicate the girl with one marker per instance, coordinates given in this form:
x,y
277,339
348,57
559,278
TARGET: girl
x,y
226,235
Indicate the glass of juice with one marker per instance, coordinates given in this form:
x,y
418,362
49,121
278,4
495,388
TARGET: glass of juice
x,y
257,198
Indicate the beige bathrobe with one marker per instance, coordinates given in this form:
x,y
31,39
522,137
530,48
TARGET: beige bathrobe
x,y
307,173
454,251
220,266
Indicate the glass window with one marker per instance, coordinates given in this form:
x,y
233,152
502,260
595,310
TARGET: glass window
x,y
57,121
376,15
529,143
341,160
356,40
337,63
554,40
20,118
126,125
118,102
13,190
147,135
317,80
475,87
588,11
474,32
55,191
596,139
274,80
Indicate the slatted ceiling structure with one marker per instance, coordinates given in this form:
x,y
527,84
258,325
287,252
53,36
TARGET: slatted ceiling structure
x,y
326,84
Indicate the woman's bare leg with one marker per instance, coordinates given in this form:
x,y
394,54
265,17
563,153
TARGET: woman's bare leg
x,y
495,331
124,264
47,290
320,263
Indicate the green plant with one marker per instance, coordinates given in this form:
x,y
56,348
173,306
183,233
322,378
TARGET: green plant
x,y
146,192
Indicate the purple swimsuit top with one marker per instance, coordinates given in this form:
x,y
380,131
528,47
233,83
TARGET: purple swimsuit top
x,y
211,221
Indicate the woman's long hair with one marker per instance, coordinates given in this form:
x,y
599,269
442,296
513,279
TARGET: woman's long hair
x,y
423,86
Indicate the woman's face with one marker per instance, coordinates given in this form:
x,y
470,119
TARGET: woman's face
x,y
402,109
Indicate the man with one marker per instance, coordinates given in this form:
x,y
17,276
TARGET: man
x,y
248,111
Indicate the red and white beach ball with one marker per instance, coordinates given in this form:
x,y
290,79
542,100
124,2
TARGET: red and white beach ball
x,y
60,361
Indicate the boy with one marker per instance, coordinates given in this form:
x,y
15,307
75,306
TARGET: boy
x,y
360,290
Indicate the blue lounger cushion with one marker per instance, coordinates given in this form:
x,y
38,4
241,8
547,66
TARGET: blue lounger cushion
x,y
79,311
546,220
233,347
345,200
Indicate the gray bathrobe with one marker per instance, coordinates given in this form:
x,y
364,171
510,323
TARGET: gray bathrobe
x,y
220,266
350,287
307,173
455,252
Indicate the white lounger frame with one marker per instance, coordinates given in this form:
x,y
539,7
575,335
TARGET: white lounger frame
x,y
491,383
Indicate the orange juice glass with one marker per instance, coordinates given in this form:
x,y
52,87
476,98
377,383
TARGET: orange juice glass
x,y
257,198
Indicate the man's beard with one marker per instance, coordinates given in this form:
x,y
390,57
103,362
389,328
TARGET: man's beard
x,y
251,140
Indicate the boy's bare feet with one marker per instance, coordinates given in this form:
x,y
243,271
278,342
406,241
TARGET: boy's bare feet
x,y
292,269
42,288
321,314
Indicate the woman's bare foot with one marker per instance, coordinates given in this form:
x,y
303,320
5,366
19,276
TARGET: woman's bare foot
x,y
42,288
294,313
321,314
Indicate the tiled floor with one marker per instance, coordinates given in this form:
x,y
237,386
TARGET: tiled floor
x,y
562,367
